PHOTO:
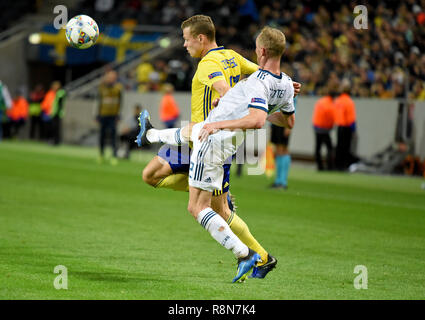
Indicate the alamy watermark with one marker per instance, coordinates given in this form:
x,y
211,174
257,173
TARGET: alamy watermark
x,y
360,282
61,281
61,19
360,21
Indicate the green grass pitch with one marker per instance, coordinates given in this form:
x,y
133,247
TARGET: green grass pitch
x,y
120,239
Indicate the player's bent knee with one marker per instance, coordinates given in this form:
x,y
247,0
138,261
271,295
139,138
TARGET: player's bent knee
x,y
155,171
148,176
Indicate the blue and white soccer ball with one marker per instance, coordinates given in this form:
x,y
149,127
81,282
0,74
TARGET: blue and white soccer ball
x,y
82,32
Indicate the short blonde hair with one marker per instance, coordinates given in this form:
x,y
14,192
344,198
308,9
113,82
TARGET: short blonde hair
x,y
273,40
200,24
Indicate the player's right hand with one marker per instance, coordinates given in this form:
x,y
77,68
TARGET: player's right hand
x,y
297,88
206,131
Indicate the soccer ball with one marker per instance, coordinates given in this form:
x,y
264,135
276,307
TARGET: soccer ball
x,y
82,32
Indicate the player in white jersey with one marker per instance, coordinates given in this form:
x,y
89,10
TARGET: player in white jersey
x,y
266,94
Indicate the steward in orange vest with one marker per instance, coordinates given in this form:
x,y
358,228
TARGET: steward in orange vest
x,y
345,119
19,110
46,110
18,114
168,109
323,122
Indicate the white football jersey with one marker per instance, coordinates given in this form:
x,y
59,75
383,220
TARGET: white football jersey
x,y
262,90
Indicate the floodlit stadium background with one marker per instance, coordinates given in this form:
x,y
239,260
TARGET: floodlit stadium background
x,y
59,207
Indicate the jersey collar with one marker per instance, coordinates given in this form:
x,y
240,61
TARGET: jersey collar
x,y
272,74
218,48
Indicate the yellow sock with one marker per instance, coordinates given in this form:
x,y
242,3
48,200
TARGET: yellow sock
x,y
177,182
241,230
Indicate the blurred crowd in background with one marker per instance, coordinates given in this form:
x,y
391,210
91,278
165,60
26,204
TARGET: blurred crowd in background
x,y
42,111
323,45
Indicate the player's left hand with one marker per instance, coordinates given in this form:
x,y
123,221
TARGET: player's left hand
x,y
297,88
206,131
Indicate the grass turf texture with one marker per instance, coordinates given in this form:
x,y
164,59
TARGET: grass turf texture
x,y
121,239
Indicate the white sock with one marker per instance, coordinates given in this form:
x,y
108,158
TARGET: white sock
x,y
221,232
171,136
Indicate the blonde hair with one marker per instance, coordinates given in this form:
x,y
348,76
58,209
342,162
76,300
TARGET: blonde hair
x,y
200,24
273,40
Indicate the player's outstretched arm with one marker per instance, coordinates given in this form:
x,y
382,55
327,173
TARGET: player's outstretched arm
x,y
254,120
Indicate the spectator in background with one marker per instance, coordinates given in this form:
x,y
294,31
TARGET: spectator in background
x,y
103,5
179,74
323,122
18,114
320,36
110,94
158,76
419,91
150,77
144,69
169,110
280,138
130,132
57,115
170,12
129,80
36,97
46,110
5,104
345,120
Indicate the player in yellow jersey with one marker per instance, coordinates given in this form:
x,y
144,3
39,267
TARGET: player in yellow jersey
x,y
218,70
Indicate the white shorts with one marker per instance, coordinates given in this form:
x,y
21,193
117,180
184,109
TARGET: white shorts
x,y
208,157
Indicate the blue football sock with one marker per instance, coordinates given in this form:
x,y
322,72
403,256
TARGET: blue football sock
x,y
285,163
282,169
279,163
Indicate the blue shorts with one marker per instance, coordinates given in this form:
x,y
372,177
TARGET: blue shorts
x,y
179,160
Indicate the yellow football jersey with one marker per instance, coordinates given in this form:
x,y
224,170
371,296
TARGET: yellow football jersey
x,y
217,64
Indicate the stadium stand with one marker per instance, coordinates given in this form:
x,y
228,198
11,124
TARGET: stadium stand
x,y
12,11
322,42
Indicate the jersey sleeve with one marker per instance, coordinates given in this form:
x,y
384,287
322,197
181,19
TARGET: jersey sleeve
x,y
209,72
256,91
247,67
